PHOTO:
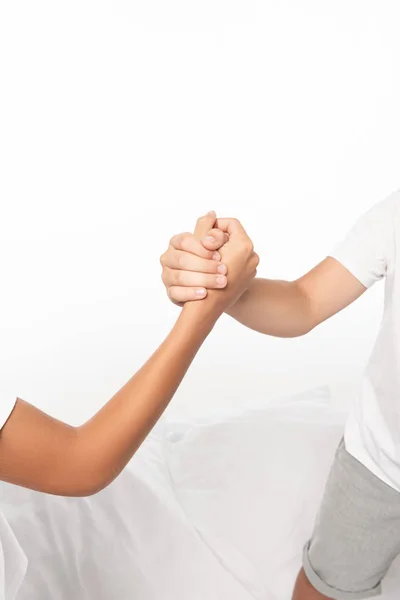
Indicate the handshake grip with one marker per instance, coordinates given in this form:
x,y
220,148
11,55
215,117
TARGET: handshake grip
x,y
218,260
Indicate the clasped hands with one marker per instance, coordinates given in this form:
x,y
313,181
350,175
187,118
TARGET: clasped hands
x,y
217,262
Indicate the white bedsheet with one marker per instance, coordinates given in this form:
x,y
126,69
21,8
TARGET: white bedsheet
x,y
130,541
208,509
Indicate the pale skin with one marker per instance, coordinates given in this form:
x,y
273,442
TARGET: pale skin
x,y
44,454
192,266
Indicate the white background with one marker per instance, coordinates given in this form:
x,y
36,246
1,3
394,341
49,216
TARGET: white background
x,y
121,122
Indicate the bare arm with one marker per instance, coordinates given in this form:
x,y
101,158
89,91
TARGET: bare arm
x,y
293,308
41,453
273,307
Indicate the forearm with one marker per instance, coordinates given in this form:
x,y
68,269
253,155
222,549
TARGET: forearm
x,y
41,453
113,435
274,307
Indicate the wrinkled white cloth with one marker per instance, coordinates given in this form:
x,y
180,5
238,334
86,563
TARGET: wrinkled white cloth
x,y
209,508
13,562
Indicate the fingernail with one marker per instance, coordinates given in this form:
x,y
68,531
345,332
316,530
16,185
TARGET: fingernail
x,y
211,212
210,239
221,281
222,269
200,293
216,256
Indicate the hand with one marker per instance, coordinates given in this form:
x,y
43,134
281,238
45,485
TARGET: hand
x,y
192,264
241,261
192,261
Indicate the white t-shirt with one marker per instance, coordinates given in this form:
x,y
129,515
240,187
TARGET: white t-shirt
x,y
13,562
368,251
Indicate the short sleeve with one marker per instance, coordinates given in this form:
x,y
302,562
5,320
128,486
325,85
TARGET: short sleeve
x,y
7,403
368,246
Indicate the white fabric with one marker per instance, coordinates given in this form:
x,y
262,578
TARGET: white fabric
x,y
314,399
221,512
13,561
251,485
369,251
132,540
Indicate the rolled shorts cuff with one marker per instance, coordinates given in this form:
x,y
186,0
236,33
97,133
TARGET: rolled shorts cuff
x,y
330,591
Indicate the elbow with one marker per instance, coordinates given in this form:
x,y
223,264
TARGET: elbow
x,y
83,487
83,473
306,327
296,333
307,315
86,490
95,483
82,484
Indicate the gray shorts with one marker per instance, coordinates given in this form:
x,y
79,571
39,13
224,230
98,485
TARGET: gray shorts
x,y
357,532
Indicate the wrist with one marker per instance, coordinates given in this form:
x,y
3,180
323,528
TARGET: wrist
x,y
238,303
201,313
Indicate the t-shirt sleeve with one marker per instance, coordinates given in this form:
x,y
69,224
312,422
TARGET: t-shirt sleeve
x,y
368,246
7,403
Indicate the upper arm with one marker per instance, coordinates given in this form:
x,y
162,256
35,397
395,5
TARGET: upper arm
x,y
355,263
41,453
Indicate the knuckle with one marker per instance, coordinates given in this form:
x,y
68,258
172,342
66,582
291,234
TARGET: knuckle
x,y
177,278
163,259
180,260
185,241
167,277
173,295
248,245
212,267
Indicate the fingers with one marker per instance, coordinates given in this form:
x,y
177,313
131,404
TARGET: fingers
x,y
177,259
230,226
180,295
187,242
236,231
174,278
192,264
215,239
204,224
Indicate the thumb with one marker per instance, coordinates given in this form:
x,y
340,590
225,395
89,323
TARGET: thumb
x,y
231,226
205,224
215,239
